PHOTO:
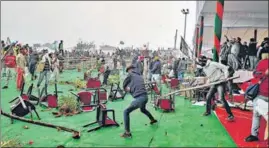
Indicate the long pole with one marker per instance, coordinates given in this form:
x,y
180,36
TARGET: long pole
x,y
175,43
200,86
201,35
185,25
197,41
218,29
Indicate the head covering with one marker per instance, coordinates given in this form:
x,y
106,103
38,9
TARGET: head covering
x,y
130,67
141,58
202,59
156,58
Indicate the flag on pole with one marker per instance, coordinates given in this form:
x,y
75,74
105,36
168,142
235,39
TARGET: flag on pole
x,y
201,35
184,47
218,29
197,42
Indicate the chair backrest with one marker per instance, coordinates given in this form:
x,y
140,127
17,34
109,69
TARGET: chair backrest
x,y
93,83
52,101
85,97
25,97
165,104
19,110
102,95
174,83
156,89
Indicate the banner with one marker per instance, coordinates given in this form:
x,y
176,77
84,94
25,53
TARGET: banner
x,y
184,47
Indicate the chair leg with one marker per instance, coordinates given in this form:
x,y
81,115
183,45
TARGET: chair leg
x,y
37,115
90,124
94,129
30,110
11,120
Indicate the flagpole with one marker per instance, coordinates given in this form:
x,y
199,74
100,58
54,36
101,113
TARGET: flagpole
x,y
197,41
218,29
175,43
201,35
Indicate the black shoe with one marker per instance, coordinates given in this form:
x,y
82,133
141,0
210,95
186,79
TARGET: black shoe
x,y
5,87
206,114
126,135
214,106
251,138
153,121
230,118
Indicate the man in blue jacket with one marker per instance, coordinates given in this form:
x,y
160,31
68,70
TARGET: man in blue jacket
x,y
134,83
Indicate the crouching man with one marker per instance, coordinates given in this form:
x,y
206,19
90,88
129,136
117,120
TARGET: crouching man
x,y
260,103
134,83
215,72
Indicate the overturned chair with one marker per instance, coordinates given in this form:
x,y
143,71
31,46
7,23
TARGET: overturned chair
x,y
23,107
27,96
116,92
102,118
165,103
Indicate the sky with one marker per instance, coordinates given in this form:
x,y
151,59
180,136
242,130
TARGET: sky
x,y
134,22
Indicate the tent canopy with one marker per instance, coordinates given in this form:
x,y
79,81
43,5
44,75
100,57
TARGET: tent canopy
x,y
240,19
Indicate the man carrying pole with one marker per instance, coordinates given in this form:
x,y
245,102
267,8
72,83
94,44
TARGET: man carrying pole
x,y
215,71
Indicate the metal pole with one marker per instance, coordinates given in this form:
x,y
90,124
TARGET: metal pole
x,y
185,25
175,43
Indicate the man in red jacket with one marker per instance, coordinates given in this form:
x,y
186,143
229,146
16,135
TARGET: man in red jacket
x,y
10,63
260,103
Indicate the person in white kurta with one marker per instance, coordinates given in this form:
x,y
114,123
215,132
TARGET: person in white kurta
x,y
55,68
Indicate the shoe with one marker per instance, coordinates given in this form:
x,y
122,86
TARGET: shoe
x,y
206,114
5,87
214,106
230,118
251,138
153,121
126,135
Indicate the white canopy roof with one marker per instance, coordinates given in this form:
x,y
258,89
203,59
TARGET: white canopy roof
x,y
240,19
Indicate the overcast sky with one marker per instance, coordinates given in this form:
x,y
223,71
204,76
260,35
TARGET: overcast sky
x,y
134,22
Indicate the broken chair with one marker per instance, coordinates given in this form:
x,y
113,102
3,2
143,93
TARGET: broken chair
x,y
116,92
23,107
102,118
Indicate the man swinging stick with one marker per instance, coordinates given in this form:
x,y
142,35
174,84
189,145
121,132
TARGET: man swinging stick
x,y
134,83
215,71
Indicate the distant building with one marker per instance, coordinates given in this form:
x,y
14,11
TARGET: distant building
x,y
107,48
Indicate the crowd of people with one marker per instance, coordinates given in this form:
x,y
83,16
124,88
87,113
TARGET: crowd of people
x,y
23,60
242,56
151,66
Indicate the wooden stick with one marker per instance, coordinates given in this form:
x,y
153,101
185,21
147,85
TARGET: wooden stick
x,y
39,123
201,86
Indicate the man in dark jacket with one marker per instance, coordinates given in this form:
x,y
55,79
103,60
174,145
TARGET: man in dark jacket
x,y
252,53
139,68
134,83
264,49
181,69
33,59
175,65
156,70
150,63
61,47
